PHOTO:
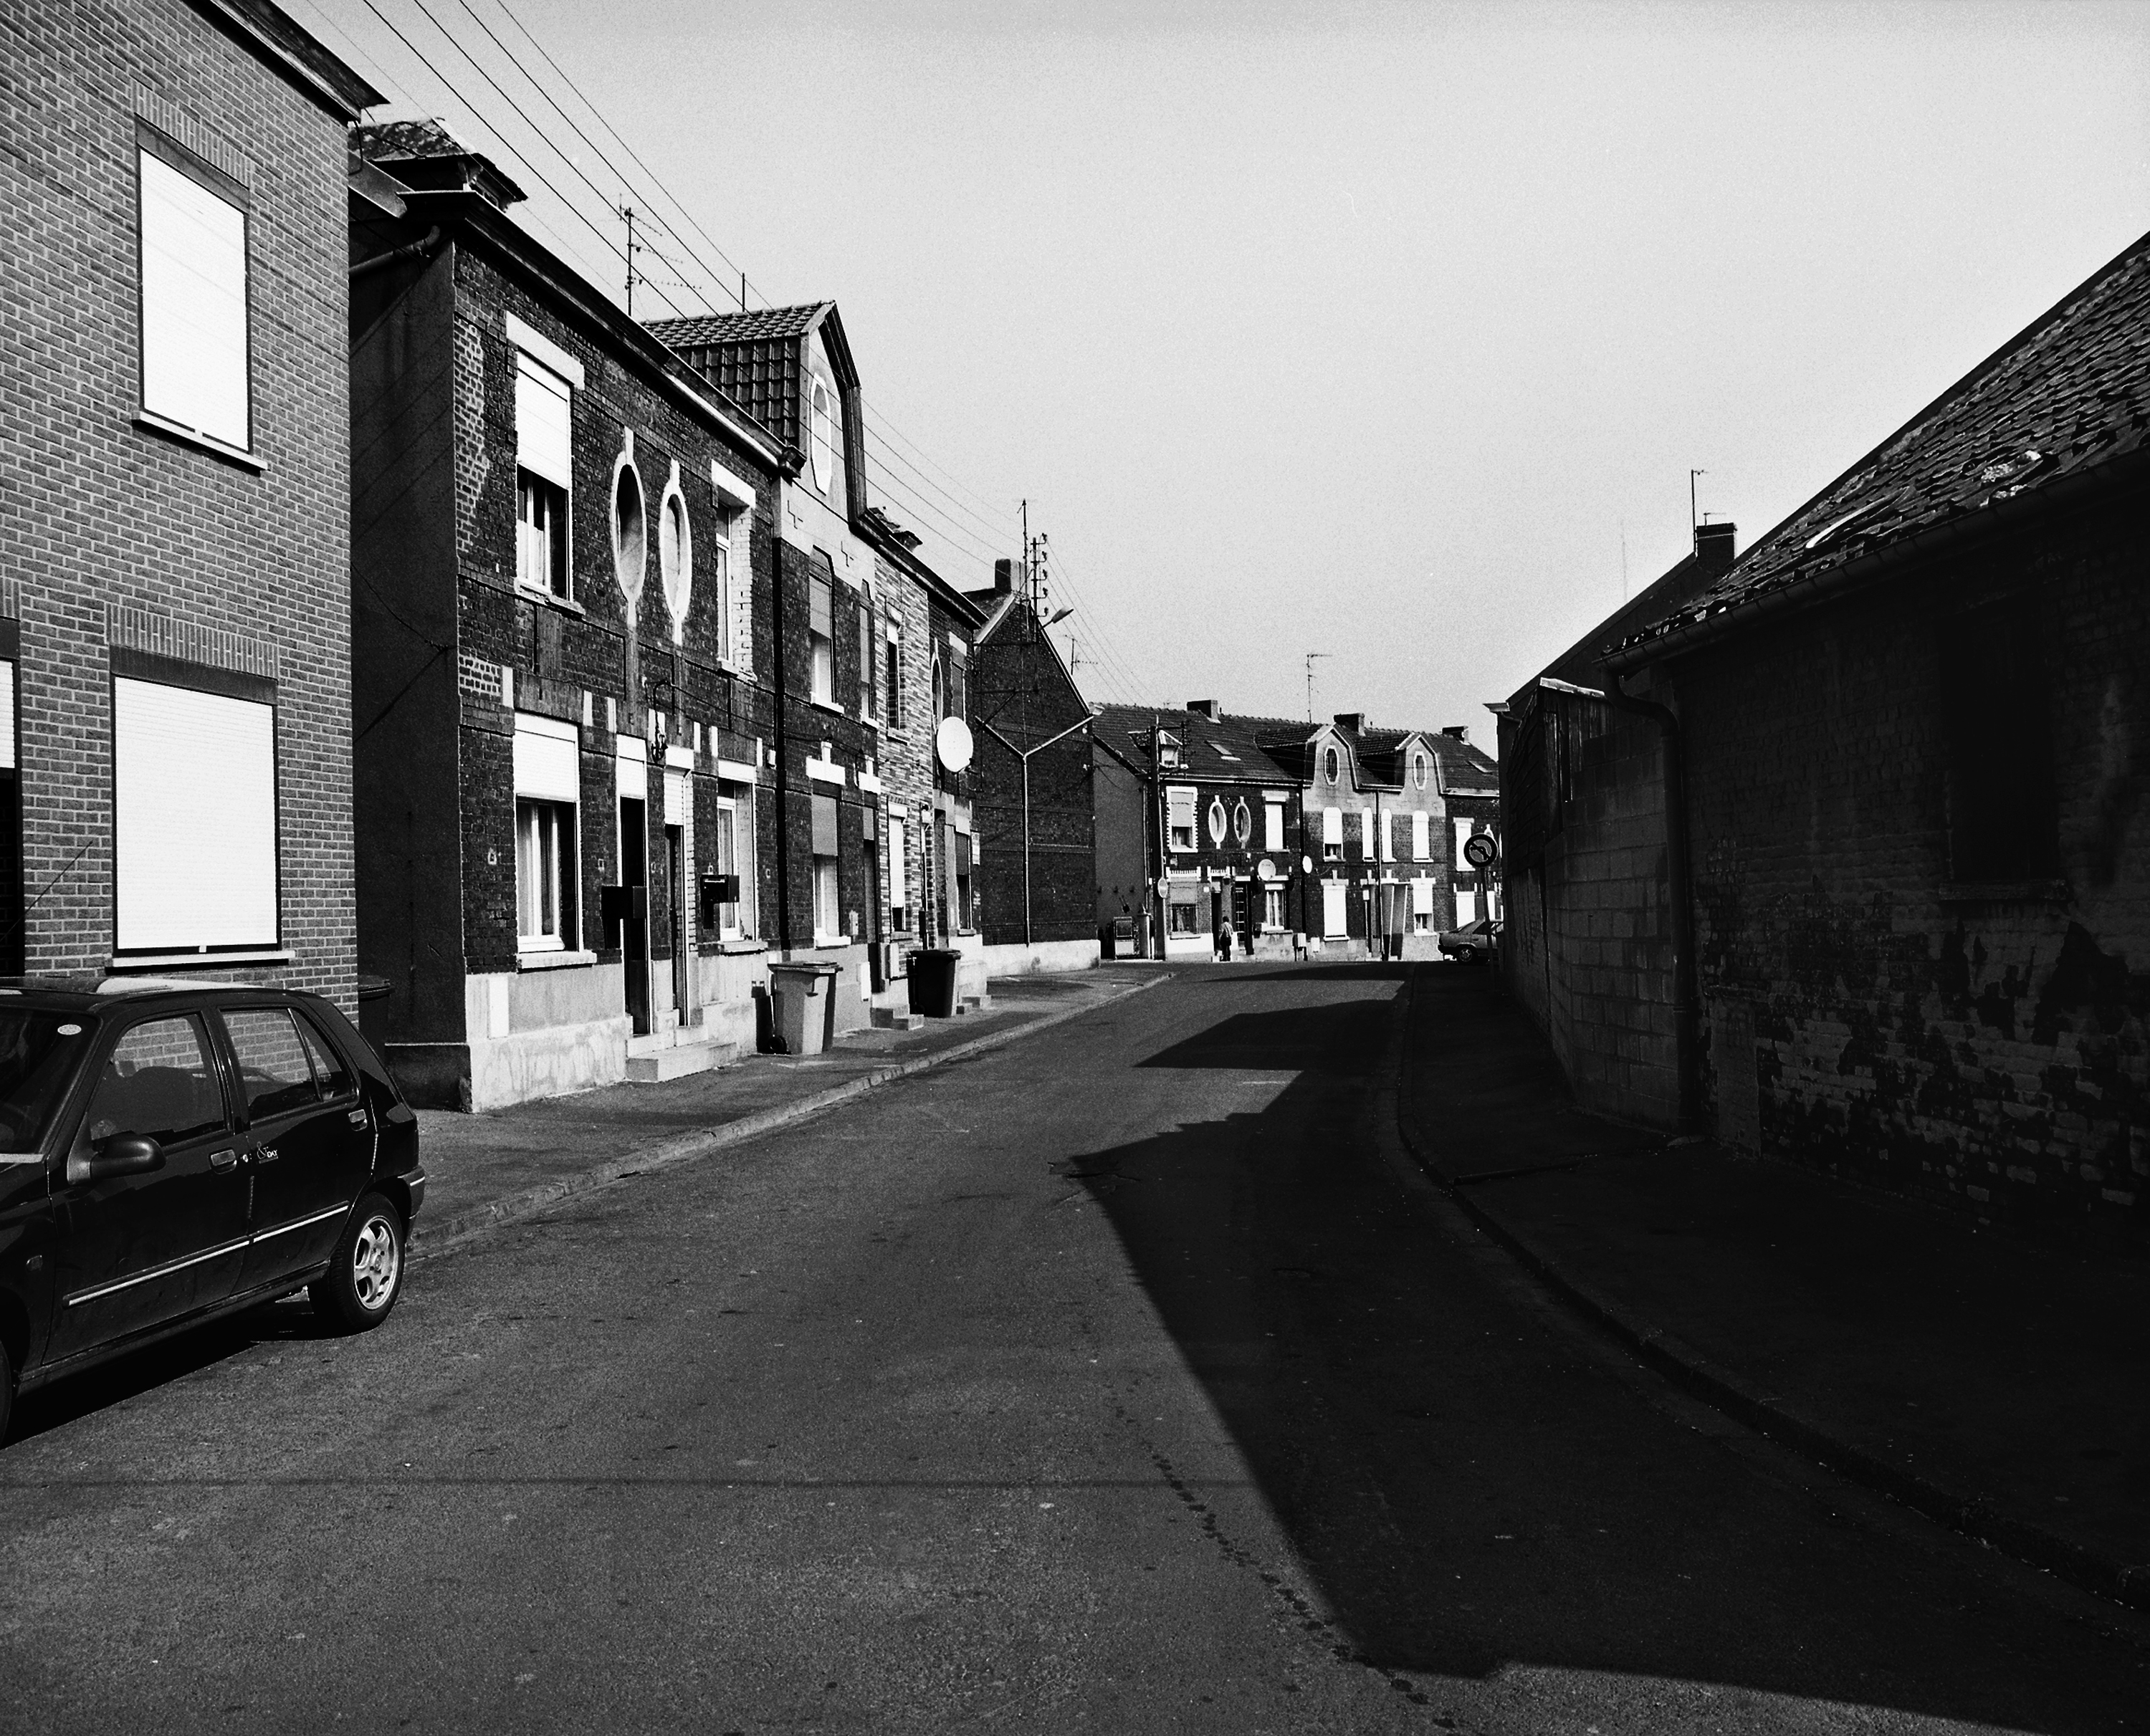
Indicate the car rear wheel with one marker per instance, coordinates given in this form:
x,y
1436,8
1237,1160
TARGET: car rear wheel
x,y
365,1273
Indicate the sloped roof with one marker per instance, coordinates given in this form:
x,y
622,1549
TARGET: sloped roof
x,y
754,358
1222,752
2071,392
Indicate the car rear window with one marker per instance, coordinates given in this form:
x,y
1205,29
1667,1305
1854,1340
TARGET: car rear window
x,y
39,1052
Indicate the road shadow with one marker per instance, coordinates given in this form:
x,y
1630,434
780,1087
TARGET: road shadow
x,y
75,1397
1470,1487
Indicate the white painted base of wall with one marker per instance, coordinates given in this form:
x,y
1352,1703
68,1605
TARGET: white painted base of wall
x,y
550,1061
1016,957
1189,946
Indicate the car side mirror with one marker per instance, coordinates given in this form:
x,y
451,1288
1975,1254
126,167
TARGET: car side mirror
x,y
124,1154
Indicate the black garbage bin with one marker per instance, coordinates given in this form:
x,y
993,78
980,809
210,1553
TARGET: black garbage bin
x,y
933,982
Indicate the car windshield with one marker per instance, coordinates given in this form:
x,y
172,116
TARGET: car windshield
x,y
39,1052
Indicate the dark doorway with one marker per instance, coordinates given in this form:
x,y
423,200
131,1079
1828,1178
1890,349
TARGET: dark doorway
x,y
675,892
634,928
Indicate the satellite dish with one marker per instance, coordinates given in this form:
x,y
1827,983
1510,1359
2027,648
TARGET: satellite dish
x,y
951,742
1265,869
1306,864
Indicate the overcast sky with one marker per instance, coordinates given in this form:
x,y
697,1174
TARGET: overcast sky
x,y
1388,332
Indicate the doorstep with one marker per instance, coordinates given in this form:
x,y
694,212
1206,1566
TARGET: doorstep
x,y
659,1061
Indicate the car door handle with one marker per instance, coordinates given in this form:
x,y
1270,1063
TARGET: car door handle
x,y
356,1118
222,1160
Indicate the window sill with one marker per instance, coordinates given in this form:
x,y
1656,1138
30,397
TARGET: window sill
x,y
728,947
831,940
178,961
2004,891
552,960
830,706
151,422
537,594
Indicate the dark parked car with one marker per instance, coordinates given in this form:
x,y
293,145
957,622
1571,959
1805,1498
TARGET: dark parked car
x,y
171,1151
1472,944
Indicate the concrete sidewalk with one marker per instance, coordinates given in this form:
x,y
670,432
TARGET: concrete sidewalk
x,y
1999,1387
488,1169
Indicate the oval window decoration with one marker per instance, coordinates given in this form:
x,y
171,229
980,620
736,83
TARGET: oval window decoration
x,y
1243,823
821,437
630,536
1418,768
675,553
1329,765
1216,817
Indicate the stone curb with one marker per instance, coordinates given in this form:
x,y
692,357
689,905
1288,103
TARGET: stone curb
x,y
433,1236
1724,1390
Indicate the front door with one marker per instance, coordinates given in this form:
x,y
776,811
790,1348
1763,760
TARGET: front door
x,y
309,1145
683,936
634,930
138,1251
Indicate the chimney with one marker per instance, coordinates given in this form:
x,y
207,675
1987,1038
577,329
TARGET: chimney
x,y
1713,548
1209,708
1004,576
1355,721
1460,732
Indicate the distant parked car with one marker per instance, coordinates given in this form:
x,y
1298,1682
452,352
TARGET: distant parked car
x,y
173,1151
1472,944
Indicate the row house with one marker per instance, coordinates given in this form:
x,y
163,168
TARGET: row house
x,y
873,654
1897,774
1383,869
1227,826
1032,748
175,760
569,624
934,863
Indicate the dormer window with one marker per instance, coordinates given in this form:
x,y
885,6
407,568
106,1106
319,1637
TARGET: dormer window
x,y
821,434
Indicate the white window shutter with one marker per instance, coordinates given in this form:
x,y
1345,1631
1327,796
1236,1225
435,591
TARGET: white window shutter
x,y
194,305
547,767
1332,827
194,793
544,443
1421,836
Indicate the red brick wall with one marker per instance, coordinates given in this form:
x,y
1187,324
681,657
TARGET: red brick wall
x,y
1990,1052
96,511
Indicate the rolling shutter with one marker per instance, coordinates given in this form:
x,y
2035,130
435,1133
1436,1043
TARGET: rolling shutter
x,y
679,798
548,766
1332,905
1421,897
541,442
1273,825
825,825
899,867
193,304
1181,803
1332,827
193,796
7,717
1420,847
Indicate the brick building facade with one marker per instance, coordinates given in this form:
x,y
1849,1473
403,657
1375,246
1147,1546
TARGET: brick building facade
x,y
1031,777
562,580
1910,783
174,626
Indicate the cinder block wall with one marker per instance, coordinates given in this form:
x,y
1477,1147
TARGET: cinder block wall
x,y
1989,1055
96,511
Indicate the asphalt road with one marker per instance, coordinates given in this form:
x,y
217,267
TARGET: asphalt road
x,y
1113,1380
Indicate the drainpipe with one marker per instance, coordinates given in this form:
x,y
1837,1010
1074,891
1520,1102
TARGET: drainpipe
x,y
783,686
1686,1002
409,250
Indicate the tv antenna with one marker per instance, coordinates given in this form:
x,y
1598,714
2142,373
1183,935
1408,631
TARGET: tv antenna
x,y
1312,658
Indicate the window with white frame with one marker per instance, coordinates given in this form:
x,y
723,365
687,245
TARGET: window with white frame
x,y
892,695
543,472
1330,765
1243,823
821,434
828,911
182,884
1272,909
675,551
899,873
735,862
196,370
868,664
1422,905
1332,833
547,788
1384,825
1464,828
1272,825
1180,817
1421,836
720,582
1216,818
821,635
1179,916
1418,768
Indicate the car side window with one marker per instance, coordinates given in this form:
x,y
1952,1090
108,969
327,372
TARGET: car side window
x,y
330,1069
273,1067
158,1084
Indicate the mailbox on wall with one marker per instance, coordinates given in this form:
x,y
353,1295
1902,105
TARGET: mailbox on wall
x,y
718,890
